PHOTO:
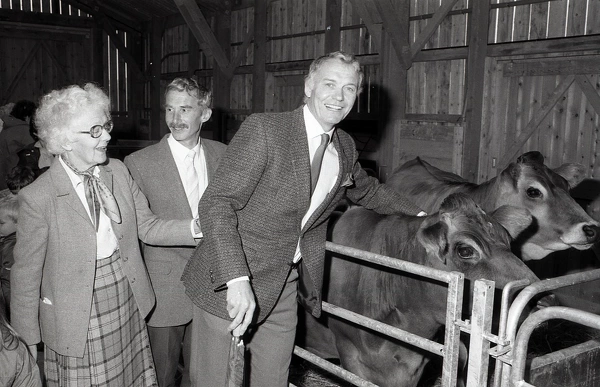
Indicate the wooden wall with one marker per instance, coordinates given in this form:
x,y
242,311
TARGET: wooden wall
x,y
408,107
37,64
422,112
49,44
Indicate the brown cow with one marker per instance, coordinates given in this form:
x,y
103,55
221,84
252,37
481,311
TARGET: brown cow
x,y
461,237
558,221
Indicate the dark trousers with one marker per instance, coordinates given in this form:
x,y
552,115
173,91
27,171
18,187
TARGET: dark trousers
x,y
168,344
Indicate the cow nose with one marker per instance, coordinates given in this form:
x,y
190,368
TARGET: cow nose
x,y
591,232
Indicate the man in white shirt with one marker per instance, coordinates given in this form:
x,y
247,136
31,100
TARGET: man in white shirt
x,y
173,174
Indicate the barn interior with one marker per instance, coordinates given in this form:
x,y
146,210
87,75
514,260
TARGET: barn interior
x,y
467,85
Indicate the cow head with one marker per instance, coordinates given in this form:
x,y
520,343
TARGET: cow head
x,y
464,238
558,221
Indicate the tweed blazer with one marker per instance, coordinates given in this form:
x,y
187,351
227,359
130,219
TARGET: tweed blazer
x,y
154,170
52,278
252,211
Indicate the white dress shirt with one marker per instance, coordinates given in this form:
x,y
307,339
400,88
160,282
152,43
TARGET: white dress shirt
x,y
106,241
330,168
179,154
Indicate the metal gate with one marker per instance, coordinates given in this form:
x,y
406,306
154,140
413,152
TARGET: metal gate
x,y
510,348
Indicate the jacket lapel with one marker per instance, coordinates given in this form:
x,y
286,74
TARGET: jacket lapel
x,y
212,158
300,160
65,193
169,172
343,170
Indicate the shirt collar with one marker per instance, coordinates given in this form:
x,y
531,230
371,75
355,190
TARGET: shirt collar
x,y
313,128
75,178
179,151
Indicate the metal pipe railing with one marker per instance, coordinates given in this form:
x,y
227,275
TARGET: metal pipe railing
x,y
388,330
394,263
449,350
532,322
332,368
527,295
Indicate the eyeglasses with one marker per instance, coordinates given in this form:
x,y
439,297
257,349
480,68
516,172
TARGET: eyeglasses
x,y
96,130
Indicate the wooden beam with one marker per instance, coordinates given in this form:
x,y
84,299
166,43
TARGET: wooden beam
x,y
398,32
588,64
478,33
333,16
97,48
260,57
201,30
545,46
31,32
193,53
438,54
363,11
590,91
222,80
11,15
432,26
22,70
537,118
155,91
121,21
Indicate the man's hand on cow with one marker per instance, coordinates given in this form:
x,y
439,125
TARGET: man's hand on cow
x,y
240,306
422,213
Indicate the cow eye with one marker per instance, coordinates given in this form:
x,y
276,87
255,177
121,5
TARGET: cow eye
x,y
465,251
534,193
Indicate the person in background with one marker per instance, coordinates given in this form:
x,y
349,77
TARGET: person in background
x,y
18,367
14,136
35,155
9,209
19,177
264,219
79,283
173,174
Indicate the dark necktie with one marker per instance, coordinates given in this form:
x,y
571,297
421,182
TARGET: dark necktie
x,y
315,167
98,195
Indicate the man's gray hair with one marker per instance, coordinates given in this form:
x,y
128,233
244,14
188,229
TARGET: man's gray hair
x,y
191,86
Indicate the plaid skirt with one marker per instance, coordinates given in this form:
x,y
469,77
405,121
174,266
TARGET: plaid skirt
x,y
117,351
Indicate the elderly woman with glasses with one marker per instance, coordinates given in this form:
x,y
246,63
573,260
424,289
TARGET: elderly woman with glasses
x,y
79,283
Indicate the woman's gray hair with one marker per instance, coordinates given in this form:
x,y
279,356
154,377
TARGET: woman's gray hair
x,y
57,108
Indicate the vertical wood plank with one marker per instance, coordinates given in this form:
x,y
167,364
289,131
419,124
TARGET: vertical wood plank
x,y
259,69
557,19
539,17
155,70
475,81
221,81
333,24
576,18
504,17
521,23
593,15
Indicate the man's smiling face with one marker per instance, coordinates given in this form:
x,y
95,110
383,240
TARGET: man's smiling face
x,y
331,92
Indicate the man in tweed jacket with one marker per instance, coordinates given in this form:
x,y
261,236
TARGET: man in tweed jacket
x,y
262,227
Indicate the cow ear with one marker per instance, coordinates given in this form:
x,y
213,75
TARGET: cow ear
x,y
434,237
512,173
573,173
513,219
